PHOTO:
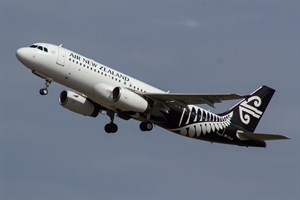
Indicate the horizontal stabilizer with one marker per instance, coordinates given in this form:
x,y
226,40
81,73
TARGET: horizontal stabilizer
x,y
260,136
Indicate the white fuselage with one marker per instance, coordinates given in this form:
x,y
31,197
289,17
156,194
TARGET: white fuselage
x,y
78,72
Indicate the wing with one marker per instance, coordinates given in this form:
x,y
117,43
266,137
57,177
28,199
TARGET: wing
x,y
209,99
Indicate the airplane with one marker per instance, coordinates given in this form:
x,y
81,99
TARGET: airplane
x,y
97,88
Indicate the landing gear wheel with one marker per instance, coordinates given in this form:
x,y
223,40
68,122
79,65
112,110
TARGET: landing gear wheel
x,y
146,126
44,91
111,128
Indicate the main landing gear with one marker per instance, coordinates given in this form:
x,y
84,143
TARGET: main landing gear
x,y
44,91
113,128
146,126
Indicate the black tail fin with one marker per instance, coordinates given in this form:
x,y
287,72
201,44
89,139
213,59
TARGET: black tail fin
x,y
248,112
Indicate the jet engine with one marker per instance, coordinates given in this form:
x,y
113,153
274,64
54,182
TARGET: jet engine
x,y
78,104
127,100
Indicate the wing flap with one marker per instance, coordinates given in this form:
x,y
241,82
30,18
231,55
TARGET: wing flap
x,y
260,136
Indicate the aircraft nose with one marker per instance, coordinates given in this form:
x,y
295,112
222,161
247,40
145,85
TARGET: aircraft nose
x,y
21,54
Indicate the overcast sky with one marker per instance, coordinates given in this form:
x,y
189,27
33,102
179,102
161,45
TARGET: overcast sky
x,y
48,152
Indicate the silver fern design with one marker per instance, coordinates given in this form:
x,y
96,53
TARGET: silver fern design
x,y
201,122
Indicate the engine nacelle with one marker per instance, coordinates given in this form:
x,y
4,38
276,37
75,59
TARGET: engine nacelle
x,y
78,104
127,100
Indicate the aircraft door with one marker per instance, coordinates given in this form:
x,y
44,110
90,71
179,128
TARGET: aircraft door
x,y
61,57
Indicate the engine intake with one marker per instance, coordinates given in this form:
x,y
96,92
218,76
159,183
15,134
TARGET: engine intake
x,y
78,104
127,100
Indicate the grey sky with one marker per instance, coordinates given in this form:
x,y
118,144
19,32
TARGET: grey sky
x,y
47,152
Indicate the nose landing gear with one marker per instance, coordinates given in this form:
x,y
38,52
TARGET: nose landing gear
x,y
44,91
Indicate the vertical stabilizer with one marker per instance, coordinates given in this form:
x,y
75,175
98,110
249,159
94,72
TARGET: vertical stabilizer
x,y
248,112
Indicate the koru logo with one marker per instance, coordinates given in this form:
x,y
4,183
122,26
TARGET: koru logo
x,y
246,110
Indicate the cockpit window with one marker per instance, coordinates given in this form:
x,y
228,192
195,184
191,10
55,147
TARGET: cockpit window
x,y
39,47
